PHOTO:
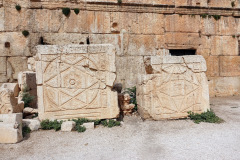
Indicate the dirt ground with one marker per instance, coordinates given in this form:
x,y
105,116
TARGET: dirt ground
x,y
137,139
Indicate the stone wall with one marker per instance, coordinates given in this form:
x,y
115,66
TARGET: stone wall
x,y
137,29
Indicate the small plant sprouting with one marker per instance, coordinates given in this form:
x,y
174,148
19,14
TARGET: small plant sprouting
x,y
208,116
233,36
18,7
25,131
233,4
25,33
204,15
216,17
26,97
180,15
119,1
66,11
192,15
76,11
209,16
80,128
48,125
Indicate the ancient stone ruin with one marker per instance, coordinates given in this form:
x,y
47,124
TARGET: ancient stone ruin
x,y
176,54
76,81
176,86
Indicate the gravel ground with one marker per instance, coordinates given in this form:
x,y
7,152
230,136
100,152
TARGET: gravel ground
x,y
137,139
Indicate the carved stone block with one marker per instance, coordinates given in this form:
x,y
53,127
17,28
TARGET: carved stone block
x,y
181,86
76,82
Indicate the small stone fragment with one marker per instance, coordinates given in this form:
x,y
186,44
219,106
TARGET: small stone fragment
x,y
33,124
89,125
68,126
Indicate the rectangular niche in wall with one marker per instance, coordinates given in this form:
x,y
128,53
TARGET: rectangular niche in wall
x,y
182,52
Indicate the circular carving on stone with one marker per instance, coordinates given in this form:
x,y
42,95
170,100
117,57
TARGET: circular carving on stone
x,y
72,81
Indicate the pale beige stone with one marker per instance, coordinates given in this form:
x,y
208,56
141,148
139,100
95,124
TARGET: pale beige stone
x,y
68,126
10,128
182,87
126,106
77,81
16,65
89,125
9,103
224,86
33,124
12,86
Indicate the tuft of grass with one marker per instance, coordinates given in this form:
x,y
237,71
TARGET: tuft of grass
x,y
25,33
80,121
25,130
76,11
26,97
216,17
209,117
80,128
66,11
233,4
204,15
48,125
119,1
18,7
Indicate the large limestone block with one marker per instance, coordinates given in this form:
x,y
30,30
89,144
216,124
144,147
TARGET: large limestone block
x,y
212,66
229,66
33,124
10,128
17,20
220,3
75,81
224,86
181,86
182,23
224,45
8,102
3,69
16,65
14,44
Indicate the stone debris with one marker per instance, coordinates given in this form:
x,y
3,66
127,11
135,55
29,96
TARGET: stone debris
x,y
8,102
179,86
68,126
89,125
33,124
29,111
75,81
125,105
10,128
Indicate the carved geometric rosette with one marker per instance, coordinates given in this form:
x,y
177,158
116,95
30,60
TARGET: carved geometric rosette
x,y
76,81
179,87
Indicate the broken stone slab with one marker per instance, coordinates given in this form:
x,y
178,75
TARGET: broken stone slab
x,y
12,86
9,103
181,86
76,81
11,128
28,111
68,126
33,124
89,125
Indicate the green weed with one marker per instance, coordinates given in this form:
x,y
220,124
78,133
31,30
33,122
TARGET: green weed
x,y
209,117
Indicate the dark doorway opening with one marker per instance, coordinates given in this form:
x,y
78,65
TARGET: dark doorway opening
x,y
182,52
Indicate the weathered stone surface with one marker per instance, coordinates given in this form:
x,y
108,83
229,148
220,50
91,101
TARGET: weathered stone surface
x,y
89,125
77,81
8,102
12,86
229,66
33,124
224,86
10,128
27,80
181,87
212,66
16,65
68,126
125,104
